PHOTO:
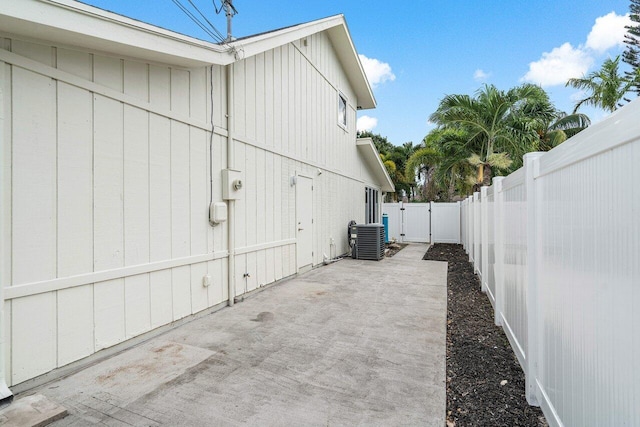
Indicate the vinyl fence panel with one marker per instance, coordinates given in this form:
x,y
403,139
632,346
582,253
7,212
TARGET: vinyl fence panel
x,y
445,222
557,245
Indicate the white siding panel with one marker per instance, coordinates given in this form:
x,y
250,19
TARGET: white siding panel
x,y
269,108
259,94
8,334
75,324
160,188
34,177
137,305
199,194
216,292
108,184
74,62
5,177
241,269
180,192
108,72
160,86
239,110
34,336
252,269
136,186
180,91
37,52
136,80
198,94
250,97
161,298
277,99
261,196
219,161
199,293
109,303
251,194
241,209
75,181
181,288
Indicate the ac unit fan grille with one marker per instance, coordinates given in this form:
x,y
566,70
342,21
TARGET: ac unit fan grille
x,y
369,241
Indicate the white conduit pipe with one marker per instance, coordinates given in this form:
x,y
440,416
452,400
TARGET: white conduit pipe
x,y
231,203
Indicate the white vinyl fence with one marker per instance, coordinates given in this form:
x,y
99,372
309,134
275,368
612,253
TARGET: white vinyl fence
x,y
423,222
557,247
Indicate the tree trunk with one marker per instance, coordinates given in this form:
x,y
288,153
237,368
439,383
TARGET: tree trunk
x,y
487,175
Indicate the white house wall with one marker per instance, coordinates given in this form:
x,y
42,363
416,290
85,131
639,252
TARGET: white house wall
x,y
285,115
106,188
106,194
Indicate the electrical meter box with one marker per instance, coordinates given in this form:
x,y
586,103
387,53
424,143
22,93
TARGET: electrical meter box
x,y
232,184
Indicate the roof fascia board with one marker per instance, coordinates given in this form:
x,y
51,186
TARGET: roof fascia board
x,y
255,45
343,43
368,149
77,24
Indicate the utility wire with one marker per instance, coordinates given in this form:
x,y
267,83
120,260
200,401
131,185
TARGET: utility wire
x,y
216,7
215,34
215,30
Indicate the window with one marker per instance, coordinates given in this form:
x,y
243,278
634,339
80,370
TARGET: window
x,y
370,205
342,110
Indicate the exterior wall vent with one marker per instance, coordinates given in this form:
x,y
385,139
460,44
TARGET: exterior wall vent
x,y
369,241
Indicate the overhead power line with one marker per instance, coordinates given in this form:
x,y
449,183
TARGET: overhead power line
x,y
206,26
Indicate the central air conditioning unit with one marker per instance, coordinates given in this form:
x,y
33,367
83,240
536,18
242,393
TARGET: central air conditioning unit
x,y
368,241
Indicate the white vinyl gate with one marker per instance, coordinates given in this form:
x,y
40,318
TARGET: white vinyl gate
x,y
423,222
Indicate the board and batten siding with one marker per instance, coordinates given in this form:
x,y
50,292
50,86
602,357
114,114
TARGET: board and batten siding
x,y
286,124
106,188
106,166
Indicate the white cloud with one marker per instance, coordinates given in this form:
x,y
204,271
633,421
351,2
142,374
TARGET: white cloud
x,y
377,72
559,65
608,32
366,123
565,62
480,75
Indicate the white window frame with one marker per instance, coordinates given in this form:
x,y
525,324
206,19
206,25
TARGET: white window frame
x,y
343,119
371,205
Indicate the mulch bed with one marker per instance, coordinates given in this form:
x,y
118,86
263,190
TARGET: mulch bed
x,y
393,248
485,384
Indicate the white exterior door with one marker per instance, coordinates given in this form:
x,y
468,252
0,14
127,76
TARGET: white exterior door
x,y
304,226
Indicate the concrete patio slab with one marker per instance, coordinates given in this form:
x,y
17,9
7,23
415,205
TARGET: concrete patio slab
x,y
351,343
34,410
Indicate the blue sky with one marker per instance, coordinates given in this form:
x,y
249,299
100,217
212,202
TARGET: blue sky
x,y
416,52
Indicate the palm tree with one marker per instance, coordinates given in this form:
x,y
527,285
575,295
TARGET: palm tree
x,y
606,87
493,125
562,128
422,163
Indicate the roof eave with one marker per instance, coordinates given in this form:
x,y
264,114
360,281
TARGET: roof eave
x,y
57,21
368,150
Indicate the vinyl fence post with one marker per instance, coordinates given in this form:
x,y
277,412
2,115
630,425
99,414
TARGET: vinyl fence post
x,y
531,166
470,228
476,233
498,241
484,237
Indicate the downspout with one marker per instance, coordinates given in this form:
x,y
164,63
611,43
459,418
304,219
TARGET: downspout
x,y
231,203
6,396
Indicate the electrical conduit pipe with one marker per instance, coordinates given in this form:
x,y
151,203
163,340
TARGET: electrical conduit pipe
x,y
231,203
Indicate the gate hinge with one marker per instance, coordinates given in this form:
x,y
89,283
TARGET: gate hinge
x,y
402,234
401,209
